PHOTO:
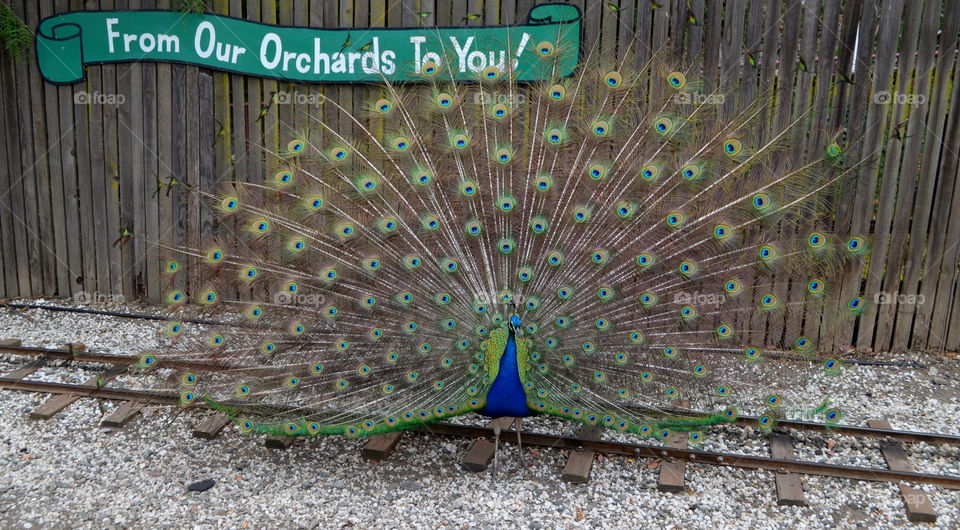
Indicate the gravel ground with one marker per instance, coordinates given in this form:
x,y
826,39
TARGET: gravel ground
x,y
70,472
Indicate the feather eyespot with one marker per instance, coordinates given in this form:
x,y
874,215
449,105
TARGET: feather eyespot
x,y
545,49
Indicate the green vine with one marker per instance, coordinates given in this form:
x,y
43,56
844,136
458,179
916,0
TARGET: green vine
x,y
14,34
191,6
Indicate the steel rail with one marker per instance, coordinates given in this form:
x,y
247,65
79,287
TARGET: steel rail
x,y
777,465
691,455
94,357
849,430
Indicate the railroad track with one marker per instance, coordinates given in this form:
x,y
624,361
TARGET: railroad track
x,y
673,456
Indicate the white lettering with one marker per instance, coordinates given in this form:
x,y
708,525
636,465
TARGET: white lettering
x,y
270,38
110,33
205,27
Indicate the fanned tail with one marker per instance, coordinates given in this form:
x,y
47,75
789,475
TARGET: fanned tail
x,y
641,231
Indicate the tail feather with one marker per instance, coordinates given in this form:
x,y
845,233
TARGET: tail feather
x,y
639,231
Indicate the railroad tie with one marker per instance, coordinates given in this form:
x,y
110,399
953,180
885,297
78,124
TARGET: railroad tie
x,y
275,441
380,446
26,369
210,427
672,471
126,412
480,455
580,461
57,403
918,505
789,486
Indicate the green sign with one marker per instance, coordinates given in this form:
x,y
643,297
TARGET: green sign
x,y
66,43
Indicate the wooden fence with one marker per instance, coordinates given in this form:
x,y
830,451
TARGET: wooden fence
x,y
75,176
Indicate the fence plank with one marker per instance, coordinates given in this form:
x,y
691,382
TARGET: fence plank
x,y
28,255
925,252
8,286
947,221
69,162
897,259
41,168
53,141
99,189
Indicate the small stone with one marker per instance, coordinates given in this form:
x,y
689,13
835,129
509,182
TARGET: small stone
x,y
202,485
410,485
940,380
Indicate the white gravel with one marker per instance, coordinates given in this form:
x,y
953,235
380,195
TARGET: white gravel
x,y
69,472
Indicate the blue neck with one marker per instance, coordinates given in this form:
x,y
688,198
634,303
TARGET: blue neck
x,y
506,396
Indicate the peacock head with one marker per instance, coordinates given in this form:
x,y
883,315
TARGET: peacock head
x,y
515,322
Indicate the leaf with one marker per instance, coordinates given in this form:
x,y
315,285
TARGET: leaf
x,y
471,16
424,14
14,33
655,5
613,7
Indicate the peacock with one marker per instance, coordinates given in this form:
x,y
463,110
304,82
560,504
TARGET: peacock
x,y
600,247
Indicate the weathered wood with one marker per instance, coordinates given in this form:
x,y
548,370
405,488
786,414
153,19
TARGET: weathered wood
x,y
275,441
943,336
919,153
84,187
111,166
876,116
918,505
8,284
123,415
580,461
789,487
98,245
30,280
892,218
210,427
55,404
193,146
481,453
380,446
45,236
937,143
75,174
25,370
130,161
672,472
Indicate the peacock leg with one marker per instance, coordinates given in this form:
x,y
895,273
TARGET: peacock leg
x,y
523,463
496,446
